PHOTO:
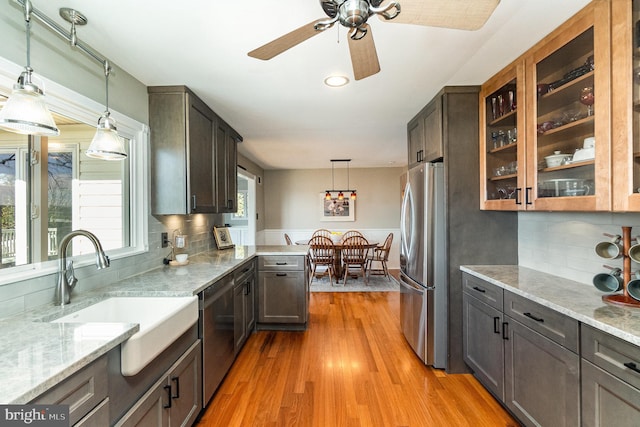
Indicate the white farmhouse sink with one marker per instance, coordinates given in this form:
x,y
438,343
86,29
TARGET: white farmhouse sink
x,y
162,320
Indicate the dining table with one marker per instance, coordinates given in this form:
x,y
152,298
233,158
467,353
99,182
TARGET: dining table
x,y
337,246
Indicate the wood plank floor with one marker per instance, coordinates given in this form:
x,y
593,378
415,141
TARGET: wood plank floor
x,y
352,367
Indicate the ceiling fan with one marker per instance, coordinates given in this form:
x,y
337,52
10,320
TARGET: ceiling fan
x,y
353,14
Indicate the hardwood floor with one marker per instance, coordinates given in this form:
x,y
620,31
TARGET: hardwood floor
x,y
352,367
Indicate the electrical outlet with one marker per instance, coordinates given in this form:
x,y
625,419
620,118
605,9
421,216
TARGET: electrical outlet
x,y
165,239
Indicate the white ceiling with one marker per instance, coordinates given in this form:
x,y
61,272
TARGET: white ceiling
x,y
288,118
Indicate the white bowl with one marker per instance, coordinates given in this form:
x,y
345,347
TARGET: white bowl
x,y
182,257
556,159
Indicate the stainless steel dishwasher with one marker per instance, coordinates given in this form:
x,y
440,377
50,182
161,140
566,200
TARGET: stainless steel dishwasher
x,y
216,331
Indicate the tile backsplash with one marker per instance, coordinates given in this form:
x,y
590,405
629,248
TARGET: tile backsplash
x,y
22,295
563,243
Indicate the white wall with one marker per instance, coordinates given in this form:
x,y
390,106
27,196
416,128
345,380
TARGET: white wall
x,y
562,243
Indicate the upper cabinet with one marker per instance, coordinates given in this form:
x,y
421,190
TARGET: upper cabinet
x,y
424,133
625,104
193,155
546,123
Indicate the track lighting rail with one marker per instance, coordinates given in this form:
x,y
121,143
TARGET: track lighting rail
x,y
69,36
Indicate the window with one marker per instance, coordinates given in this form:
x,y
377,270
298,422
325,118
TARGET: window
x,y
49,187
241,212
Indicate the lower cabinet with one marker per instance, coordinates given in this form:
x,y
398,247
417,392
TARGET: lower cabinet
x,y
243,304
86,394
525,354
175,399
610,380
283,292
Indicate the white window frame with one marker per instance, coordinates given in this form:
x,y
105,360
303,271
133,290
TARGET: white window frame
x,y
79,107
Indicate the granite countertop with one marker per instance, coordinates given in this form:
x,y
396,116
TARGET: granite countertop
x,y
36,355
574,299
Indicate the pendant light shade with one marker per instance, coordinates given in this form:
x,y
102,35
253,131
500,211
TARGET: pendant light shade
x,y
106,144
25,111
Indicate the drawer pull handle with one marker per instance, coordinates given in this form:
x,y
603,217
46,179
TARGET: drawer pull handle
x,y
168,389
281,263
505,332
281,274
177,381
531,316
496,325
632,366
479,289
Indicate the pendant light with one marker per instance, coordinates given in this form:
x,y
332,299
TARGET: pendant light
x,y
328,193
25,111
106,144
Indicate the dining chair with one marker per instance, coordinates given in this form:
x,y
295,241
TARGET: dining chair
x,y
287,239
322,232
321,254
380,254
354,256
350,233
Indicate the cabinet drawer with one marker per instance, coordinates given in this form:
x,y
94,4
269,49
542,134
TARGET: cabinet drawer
x,y
281,262
550,323
82,391
241,273
616,356
99,416
486,292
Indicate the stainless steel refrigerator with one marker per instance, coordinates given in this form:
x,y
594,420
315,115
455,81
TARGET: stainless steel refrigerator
x,y
423,264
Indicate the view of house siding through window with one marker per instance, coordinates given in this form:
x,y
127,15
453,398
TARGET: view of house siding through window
x,y
42,201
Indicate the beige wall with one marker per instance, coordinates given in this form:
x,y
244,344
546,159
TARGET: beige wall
x,y
293,198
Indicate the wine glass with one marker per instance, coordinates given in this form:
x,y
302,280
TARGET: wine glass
x,y
587,98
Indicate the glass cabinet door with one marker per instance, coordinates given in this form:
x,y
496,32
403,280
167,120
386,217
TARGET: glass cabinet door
x,y
502,140
568,154
625,104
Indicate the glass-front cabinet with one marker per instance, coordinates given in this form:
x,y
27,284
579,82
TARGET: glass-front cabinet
x,y
559,158
502,139
625,104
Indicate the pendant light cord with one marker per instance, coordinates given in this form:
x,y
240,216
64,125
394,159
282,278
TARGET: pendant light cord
x,y
27,20
107,70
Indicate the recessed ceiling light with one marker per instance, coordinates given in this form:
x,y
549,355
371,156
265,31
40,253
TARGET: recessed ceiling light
x,y
336,81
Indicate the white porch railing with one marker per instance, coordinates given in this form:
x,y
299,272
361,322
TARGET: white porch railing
x,y
8,244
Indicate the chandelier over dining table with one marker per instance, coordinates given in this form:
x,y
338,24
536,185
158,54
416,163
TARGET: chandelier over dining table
x,y
329,193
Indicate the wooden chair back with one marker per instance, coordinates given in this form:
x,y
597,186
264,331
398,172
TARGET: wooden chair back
x,y
321,253
287,239
350,233
322,232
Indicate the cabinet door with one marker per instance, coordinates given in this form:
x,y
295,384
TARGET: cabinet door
x,y
502,141
185,382
433,138
569,104
151,409
607,400
542,379
415,137
226,169
625,104
239,325
482,343
250,304
282,297
200,126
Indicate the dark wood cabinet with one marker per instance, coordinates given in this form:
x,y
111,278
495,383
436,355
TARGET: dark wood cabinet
x,y
283,292
243,304
193,155
531,364
424,134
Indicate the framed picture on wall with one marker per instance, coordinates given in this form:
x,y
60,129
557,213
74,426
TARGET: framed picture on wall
x,y
337,210
223,237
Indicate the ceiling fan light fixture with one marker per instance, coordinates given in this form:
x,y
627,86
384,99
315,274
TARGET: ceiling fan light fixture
x,y
336,81
353,13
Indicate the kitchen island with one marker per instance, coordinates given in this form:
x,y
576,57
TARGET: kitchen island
x,y
35,355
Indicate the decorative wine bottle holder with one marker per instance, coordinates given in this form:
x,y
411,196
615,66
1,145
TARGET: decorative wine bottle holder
x,y
618,247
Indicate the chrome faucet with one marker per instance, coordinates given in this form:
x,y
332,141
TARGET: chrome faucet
x,y
66,278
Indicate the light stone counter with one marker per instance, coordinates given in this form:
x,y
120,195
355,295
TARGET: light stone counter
x,y
36,355
576,300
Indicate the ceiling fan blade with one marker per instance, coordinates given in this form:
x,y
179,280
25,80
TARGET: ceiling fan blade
x,y
289,40
364,57
459,14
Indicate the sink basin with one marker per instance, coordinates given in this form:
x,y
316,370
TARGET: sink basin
x,y
162,320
